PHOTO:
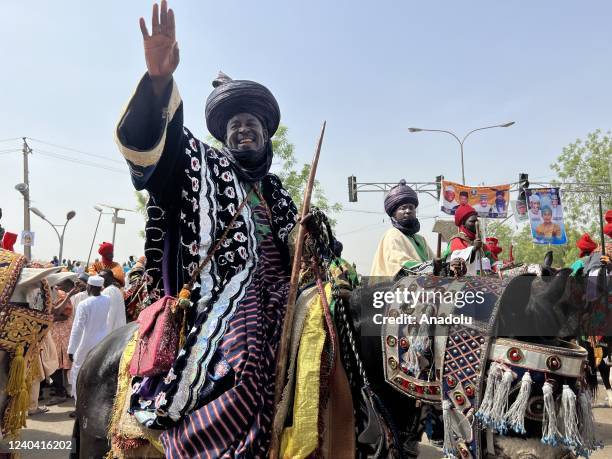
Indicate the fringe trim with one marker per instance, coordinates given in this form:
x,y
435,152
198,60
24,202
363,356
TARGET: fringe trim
x,y
515,417
486,406
500,402
586,423
448,449
550,433
569,419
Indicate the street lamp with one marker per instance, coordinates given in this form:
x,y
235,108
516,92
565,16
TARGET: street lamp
x,y
93,239
461,141
69,216
24,189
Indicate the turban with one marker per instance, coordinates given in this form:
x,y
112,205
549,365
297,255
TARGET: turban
x,y
586,244
608,227
398,195
462,213
493,247
106,249
608,216
8,241
534,198
231,97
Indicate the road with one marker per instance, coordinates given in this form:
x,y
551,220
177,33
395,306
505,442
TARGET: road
x,y
57,425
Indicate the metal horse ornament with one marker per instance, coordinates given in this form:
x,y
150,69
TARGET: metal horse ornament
x,y
25,318
504,390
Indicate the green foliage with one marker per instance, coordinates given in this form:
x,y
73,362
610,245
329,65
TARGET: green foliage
x,y
586,161
525,251
141,206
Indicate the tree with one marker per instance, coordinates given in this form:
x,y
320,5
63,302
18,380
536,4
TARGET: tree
x,y
586,161
524,250
141,207
293,176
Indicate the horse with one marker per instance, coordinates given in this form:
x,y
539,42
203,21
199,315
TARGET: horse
x,y
28,299
548,303
361,355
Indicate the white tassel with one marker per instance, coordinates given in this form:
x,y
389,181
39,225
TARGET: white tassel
x,y
550,433
420,339
500,401
484,412
448,448
515,417
411,358
586,422
571,436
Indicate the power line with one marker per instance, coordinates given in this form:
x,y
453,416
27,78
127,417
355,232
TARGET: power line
x,y
77,161
76,150
11,139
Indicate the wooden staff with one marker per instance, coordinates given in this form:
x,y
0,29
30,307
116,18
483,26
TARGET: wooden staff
x,y
281,363
479,252
601,229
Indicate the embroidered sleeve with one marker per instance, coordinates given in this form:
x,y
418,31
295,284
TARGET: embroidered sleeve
x,y
150,135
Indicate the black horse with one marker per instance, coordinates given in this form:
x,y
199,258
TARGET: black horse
x,y
388,421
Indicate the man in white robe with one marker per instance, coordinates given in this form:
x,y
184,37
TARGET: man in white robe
x,y
89,326
116,313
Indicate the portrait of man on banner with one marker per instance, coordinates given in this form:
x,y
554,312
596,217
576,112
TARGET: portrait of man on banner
x,y
546,216
519,209
488,201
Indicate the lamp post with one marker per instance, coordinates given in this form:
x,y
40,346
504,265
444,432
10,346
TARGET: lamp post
x,y
93,239
69,216
24,189
461,141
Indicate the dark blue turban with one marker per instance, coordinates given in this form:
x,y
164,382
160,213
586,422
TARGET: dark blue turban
x,y
398,195
231,97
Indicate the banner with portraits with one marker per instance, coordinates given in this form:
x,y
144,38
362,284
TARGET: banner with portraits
x,y
546,216
489,201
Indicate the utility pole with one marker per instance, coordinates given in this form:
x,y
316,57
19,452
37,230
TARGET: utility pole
x,y
117,220
27,250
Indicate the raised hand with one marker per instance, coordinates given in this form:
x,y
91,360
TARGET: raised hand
x,y
161,49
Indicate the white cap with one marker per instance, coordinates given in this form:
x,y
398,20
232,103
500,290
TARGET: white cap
x,y
534,198
95,281
449,188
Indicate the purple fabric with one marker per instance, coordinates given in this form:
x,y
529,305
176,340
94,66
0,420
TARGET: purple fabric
x,y
237,421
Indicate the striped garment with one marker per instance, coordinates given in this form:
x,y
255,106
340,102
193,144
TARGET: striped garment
x,y
237,423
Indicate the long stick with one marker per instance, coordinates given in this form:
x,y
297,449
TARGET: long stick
x,y
281,363
479,251
601,228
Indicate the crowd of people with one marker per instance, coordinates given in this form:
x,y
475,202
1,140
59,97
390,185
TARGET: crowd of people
x,y
87,306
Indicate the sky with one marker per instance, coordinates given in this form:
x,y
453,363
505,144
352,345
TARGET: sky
x,y
370,69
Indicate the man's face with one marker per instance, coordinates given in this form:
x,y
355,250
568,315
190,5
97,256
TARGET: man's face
x,y
463,199
547,216
245,132
521,208
470,223
405,212
499,199
555,202
483,202
535,206
449,195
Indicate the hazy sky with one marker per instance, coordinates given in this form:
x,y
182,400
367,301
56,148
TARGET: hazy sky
x,y
371,69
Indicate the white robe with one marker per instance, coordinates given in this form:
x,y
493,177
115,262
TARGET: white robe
x,y
473,267
116,313
88,329
395,249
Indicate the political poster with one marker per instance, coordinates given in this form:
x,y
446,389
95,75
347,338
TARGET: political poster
x,y
519,209
546,216
489,201
27,238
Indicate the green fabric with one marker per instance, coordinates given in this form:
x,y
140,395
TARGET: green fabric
x,y
410,264
577,266
262,230
419,244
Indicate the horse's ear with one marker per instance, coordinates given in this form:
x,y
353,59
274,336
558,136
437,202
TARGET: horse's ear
x,y
548,259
